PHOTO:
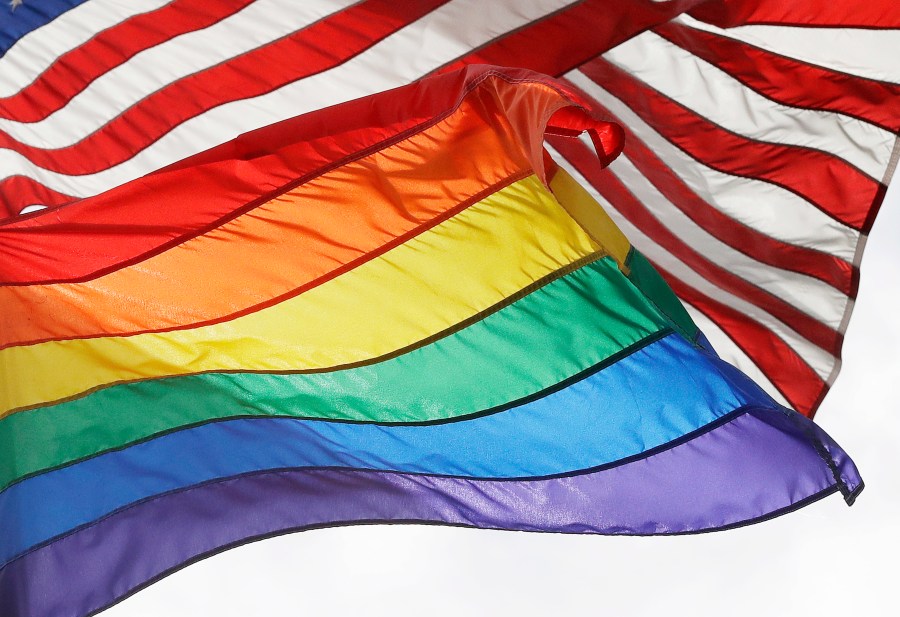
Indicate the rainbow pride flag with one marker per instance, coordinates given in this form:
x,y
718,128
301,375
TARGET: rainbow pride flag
x,y
398,309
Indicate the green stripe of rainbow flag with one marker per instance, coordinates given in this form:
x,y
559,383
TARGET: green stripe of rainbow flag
x,y
398,309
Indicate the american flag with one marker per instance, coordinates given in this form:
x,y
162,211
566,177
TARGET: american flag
x,y
760,135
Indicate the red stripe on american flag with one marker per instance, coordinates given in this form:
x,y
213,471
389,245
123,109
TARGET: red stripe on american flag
x,y
786,369
763,248
74,71
322,45
16,192
537,45
585,161
554,44
881,14
827,181
790,81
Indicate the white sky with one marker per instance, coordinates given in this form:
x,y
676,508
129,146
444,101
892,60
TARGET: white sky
x,y
826,559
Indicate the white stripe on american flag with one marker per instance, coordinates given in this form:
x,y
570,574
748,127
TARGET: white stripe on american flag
x,y
789,303
712,93
393,62
723,100
37,50
819,360
771,209
728,351
865,52
127,84
817,299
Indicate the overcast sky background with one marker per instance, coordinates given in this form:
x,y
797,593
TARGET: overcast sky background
x,y
826,559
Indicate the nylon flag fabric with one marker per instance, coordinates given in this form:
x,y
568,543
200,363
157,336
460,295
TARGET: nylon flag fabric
x,y
761,134
402,308
399,309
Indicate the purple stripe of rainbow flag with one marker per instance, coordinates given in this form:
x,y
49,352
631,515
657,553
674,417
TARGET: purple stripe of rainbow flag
x,y
298,303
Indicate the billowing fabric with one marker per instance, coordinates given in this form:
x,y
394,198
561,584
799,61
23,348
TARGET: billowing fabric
x,y
762,135
398,309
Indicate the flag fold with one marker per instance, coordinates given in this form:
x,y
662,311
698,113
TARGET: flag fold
x,y
399,309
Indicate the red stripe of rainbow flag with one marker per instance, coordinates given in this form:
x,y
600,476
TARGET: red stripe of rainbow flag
x,y
397,310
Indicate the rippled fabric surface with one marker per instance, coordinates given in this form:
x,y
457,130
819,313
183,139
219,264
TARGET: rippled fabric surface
x,y
413,315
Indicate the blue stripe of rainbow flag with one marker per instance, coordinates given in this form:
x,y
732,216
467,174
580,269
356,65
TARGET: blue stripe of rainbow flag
x,y
430,324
